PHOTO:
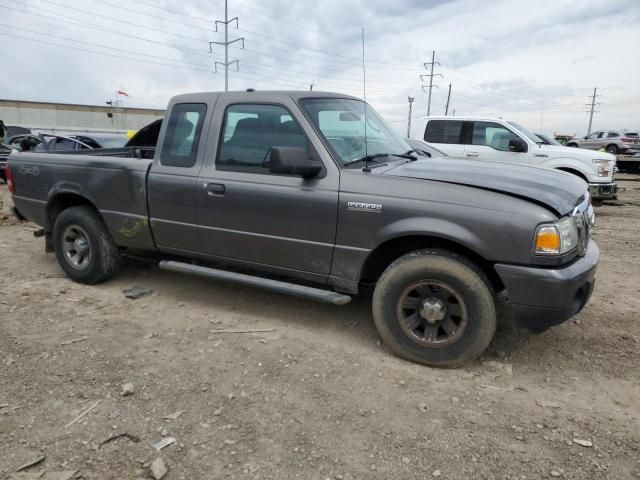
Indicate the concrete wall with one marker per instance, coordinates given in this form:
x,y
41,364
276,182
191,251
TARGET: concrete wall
x,y
67,118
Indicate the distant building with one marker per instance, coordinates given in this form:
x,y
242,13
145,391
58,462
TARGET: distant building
x,y
61,118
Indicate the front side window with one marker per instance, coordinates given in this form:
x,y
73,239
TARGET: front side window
x,y
492,135
443,131
249,132
595,136
342,123
182,136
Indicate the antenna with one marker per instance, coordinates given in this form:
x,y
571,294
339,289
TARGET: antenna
x,y
366,168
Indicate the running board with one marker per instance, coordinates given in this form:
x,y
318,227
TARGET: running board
x,y
311,293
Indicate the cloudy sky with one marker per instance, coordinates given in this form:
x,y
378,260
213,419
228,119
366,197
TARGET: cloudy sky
x,y
532,62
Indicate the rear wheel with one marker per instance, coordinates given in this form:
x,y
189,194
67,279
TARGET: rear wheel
x,y
613,149
83,246
434,307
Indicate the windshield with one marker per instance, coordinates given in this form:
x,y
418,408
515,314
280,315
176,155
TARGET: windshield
x,y
527,133
341,123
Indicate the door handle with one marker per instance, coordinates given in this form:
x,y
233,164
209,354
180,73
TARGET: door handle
x,y
214,189
472,154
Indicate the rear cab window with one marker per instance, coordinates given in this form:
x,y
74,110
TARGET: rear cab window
x,y
182,136
444,131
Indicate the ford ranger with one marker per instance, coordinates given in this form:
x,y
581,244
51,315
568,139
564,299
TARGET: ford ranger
x,y
313,194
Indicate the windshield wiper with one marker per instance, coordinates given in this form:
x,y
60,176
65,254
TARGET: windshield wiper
x,y
372,158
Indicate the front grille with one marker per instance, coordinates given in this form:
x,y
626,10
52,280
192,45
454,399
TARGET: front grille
x,y
585,220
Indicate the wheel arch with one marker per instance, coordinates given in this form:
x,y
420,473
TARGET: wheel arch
x,y
389,251
575,172
61,201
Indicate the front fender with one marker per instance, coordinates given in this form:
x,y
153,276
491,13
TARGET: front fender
x,y
582,167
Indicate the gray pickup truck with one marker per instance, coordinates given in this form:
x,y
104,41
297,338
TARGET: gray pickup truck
x,y
313,194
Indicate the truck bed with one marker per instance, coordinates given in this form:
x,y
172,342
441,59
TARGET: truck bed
x,y
115,185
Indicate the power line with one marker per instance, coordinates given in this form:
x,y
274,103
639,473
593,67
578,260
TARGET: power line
x,y
101,53
175,12
93,26
120,7
101,45
122,21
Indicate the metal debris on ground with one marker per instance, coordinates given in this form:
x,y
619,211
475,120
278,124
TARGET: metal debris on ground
x,y
74,340
31,463
254,330
584,443
545,404
86,412
165,442
135,293
131,437
173,415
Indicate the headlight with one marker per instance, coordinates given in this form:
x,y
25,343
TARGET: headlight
x,y
556,238
603,166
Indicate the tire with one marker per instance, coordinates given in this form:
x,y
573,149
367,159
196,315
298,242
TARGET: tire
x,y
613,149
574,145
79,233
444,277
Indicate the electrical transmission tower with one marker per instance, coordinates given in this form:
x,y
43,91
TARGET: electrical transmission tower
x,y
226,44
593,106
430,66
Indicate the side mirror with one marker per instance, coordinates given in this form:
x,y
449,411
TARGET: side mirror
x,y
517,145
293,161
585,137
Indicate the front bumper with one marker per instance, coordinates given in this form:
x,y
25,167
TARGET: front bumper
x,y
543,297
603,191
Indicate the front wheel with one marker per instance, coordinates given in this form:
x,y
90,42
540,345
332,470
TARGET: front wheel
x,y
434,307
83,246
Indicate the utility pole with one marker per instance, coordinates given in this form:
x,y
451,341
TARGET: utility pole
x,y
411,99
446,110
226,44
430,68
313,82
593,106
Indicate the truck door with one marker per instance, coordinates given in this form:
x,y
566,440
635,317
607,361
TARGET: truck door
x,y
173,179
490,141
250,215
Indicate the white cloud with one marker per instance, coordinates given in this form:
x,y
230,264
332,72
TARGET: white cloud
x,y
507,58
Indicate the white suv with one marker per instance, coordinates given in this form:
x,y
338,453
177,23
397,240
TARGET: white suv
x,y
498,140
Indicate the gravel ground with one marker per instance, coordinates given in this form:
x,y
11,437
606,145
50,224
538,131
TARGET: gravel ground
x,y
315,395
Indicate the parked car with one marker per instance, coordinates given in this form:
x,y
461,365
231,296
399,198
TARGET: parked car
x,y
482,138
288,186
46,142
613,141
548,140
423,149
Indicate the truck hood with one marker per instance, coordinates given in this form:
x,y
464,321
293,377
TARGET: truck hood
x,y
577,153
553,189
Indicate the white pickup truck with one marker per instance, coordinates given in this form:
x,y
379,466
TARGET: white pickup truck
x,y
499,140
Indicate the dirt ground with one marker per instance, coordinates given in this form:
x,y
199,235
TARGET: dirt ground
x,y
315,397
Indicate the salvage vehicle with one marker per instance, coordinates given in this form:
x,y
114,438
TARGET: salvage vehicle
x,y
495,139
613,141
313,194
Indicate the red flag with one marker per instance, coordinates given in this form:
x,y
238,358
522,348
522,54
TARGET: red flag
x,y
120,92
